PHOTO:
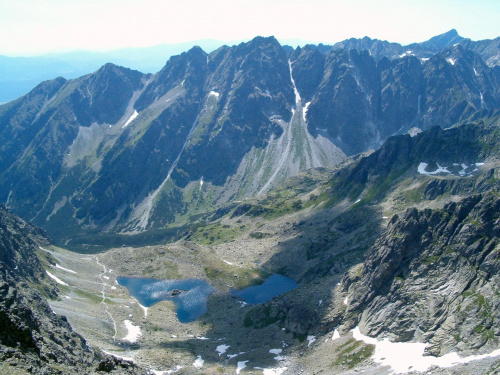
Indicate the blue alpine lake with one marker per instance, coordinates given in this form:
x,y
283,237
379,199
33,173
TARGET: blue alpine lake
x,y
189,295
272,287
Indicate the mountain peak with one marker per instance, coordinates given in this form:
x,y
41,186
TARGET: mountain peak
x,y
444,40
196,51
263,40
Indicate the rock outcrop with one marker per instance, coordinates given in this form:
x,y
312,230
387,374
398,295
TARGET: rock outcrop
x,y
433,277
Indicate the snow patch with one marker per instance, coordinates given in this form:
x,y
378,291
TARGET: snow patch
x,y
221,349
131,118
306,107
345,301
310,340
336,334
241,365
65,269
403,357
278,356
407,53
297,95
423,166
214,93
453,169
198,363
414,131
225,261
56,279
451,61
133,331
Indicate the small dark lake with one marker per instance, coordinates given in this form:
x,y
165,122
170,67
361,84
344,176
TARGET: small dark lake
x,y
189,295
272,287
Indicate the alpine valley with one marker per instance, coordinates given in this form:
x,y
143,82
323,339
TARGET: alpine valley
x,y
365,175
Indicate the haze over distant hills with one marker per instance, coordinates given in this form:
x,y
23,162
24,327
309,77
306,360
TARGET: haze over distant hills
x,y
21,74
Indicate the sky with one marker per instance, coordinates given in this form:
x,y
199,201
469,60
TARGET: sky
x,y
31,27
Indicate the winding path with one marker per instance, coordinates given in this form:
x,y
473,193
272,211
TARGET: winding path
x,y
103,292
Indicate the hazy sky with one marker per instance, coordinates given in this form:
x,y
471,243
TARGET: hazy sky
x,y
37,26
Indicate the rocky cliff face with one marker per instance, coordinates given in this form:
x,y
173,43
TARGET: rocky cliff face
x,y
33,339
117,150
433,276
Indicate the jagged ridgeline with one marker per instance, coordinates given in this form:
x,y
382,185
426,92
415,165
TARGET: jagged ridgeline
x,y
121,151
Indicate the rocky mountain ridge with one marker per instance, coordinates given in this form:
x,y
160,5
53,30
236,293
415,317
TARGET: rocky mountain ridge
x,y
121,151
431,277
487,49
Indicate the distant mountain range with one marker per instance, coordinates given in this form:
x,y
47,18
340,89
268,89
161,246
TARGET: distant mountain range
x,y
22,74
123,151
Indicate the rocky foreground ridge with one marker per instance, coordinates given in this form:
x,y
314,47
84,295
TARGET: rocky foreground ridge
x,y
33,339
433,277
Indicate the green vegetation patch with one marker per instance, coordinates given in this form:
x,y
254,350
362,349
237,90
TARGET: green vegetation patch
x,y
216,233
237,277
352,353
95,298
